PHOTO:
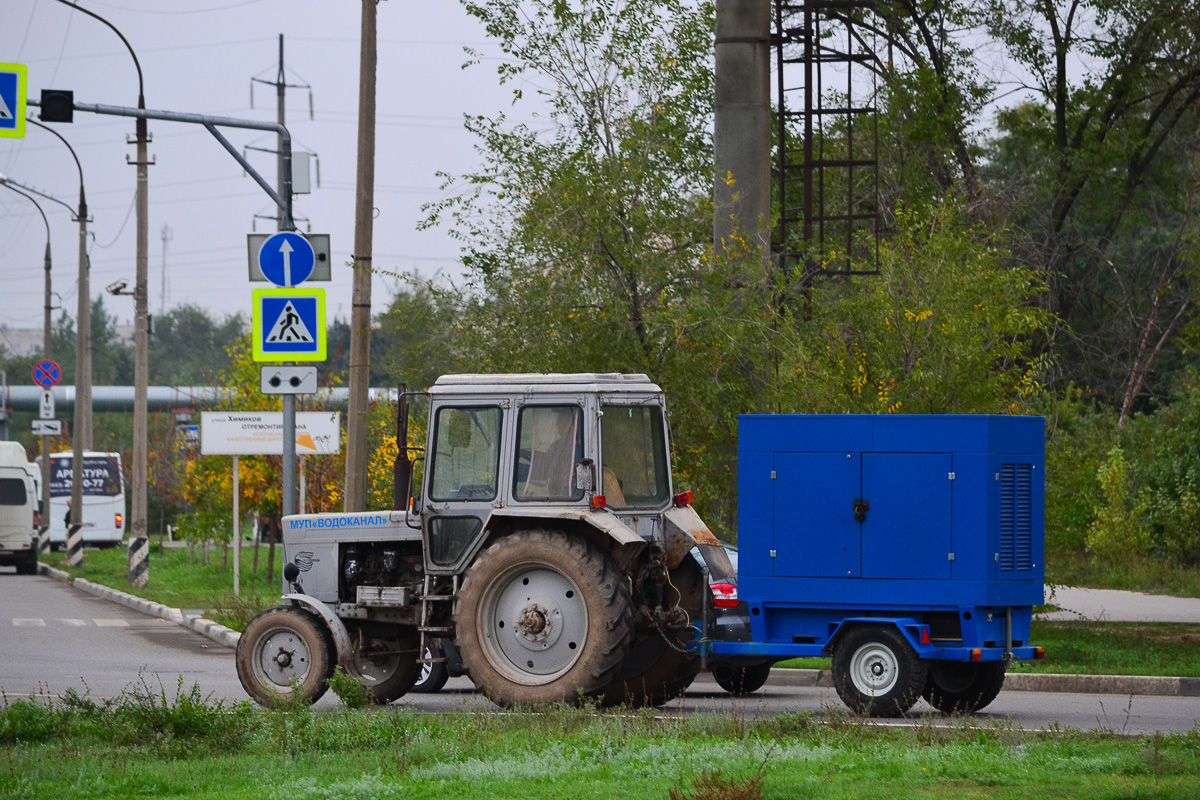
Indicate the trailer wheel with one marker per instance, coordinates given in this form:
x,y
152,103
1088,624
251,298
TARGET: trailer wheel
x,y
433,675
658,669
284,650
877,672
963,687
388,665
741,681
543,618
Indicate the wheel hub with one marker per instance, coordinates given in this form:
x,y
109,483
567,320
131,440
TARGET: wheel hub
x,y
873,669
280,656
536,622
533,621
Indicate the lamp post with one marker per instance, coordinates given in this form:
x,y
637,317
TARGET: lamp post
x,y
81,432
139,544
43,544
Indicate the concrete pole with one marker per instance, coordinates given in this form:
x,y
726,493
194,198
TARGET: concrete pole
x,y
237,534
288,502
360,314
44,530
742,126
81,434
139,541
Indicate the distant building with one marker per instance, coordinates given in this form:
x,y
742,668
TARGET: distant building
x,y
20,341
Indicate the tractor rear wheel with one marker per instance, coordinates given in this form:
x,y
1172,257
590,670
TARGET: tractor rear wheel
x,y
543,617
659,668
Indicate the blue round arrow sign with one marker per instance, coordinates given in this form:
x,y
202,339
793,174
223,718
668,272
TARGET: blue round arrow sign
x,y
286,259
46,374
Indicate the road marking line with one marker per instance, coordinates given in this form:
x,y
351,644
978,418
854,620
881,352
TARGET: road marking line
x,y
78,623
19,622
111,623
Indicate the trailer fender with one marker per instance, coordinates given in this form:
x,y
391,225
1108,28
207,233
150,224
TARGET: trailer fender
x,y
683,529
337,629
909,628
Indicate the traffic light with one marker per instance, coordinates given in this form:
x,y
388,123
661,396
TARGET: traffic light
x,y
58,105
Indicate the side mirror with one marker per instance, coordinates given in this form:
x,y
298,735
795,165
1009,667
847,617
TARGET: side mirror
x,y
585,475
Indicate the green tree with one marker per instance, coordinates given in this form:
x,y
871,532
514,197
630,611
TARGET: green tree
x,y
189,346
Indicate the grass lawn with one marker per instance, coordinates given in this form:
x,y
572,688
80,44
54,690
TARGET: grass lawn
x,y
1134,574
146,747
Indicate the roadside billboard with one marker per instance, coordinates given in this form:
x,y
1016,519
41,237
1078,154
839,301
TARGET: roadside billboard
x,y
260,433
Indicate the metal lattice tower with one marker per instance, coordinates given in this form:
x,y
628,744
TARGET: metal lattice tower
x,y
827,148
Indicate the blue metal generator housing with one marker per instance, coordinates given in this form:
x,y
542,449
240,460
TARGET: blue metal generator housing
x,y
930,523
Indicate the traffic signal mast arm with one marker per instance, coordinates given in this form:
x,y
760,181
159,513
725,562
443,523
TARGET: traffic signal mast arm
x,y
212,123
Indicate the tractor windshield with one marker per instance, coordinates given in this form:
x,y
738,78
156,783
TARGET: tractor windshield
x,y
633,440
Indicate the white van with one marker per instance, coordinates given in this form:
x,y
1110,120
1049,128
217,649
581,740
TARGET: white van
x,y
19,515
103,498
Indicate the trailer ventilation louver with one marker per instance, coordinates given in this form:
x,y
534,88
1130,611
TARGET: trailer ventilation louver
x,y
1016,517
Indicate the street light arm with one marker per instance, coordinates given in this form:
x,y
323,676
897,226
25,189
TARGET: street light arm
x,y
94,15
79,166
11,184
13,187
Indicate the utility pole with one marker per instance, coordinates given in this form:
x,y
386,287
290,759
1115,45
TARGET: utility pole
x,y
360,313
742,125
43,543
162,294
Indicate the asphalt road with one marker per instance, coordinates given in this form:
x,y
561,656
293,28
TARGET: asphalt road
x,y
53,637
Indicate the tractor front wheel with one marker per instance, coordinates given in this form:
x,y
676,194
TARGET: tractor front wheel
x,y
283,652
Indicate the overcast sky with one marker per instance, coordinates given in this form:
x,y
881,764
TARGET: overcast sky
x,y
199,56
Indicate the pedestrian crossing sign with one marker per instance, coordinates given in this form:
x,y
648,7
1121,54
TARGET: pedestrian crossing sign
x,y
289,324
12,100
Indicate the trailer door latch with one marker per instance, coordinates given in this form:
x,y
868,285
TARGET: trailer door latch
x,y
861,507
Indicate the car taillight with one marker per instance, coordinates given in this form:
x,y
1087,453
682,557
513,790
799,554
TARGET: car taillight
x,y
724,595
683,499
37,520
599,501
118,519
1039,652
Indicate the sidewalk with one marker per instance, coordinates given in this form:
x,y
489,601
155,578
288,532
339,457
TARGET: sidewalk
x,y
1015,681
1110,605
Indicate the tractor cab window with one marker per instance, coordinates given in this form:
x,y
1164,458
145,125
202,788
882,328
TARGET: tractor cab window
x,y
634,451
466,454
549,445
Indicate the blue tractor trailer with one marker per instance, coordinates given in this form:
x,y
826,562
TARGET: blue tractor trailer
x,y
907,548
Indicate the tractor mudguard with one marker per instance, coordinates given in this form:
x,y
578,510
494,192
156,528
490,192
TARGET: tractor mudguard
x,y
683,529
627,544
337,629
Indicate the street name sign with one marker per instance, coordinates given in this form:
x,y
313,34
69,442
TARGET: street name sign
x,y
47,427
289,380
12,100
260,433
289,324
286,259
46,374
321,272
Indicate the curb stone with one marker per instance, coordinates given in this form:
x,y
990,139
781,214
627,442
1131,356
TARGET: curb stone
x,y
1015,681
1039,682
205,627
